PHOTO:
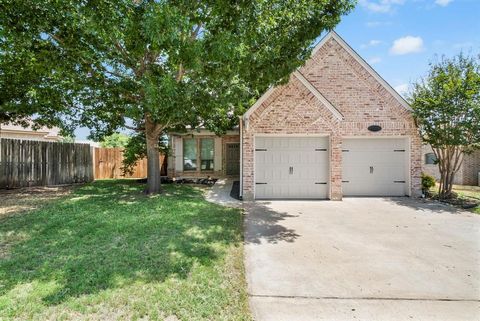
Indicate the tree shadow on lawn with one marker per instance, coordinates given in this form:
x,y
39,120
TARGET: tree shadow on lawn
x,y
108,234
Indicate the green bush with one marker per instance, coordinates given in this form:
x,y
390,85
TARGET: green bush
x,y
428,181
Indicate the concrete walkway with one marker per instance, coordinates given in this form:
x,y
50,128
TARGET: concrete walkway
x,y
220,193
362,259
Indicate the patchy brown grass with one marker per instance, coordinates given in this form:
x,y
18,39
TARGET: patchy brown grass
x,y
15,201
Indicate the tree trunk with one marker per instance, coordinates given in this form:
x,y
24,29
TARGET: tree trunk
x,y
152,135
450,160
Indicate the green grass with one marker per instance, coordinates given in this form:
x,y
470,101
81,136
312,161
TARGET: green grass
x,y
108,252
465,192
469,192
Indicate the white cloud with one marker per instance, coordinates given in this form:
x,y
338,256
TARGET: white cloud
x,y
443,3
402,89
371,43
374,24
374,60
406,45
380,6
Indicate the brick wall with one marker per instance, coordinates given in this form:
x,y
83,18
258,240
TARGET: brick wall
x,y
467,174
363,101
471,168
432,169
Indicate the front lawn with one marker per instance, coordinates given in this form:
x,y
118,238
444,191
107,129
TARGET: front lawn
x,y
108,252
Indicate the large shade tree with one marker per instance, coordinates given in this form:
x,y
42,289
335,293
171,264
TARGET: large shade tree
x,y
446,105
150,65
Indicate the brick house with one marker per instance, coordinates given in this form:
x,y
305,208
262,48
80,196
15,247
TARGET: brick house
x,y
335,129
468,174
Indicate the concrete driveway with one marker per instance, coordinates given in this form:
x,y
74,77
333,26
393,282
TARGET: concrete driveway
x,y
362,259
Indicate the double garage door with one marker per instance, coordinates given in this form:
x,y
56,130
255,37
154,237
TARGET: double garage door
x,y
298,167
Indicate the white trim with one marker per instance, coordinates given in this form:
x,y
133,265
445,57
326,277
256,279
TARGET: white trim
x,y
258,102
375,137
318,95
292,135
205,132
240,121
363,63
408,149
217,153
178,155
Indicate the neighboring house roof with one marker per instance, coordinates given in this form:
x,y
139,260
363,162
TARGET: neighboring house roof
x,y
89,142
319,95
20,132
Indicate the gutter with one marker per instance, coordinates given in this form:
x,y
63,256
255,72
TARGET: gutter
x,y
240,118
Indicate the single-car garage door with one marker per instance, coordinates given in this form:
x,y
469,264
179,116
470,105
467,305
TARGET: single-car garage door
x,y
291,167
374,167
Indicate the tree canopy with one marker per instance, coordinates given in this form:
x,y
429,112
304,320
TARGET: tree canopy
x,y
150,65
446,106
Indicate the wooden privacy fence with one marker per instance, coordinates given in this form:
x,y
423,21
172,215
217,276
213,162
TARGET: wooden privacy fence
x,y
108,164
33,163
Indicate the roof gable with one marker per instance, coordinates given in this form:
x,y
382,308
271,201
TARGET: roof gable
x,y
315,91
363,63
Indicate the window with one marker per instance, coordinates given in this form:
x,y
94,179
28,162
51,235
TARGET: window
x,y
206,154
430,159
198,153
189,154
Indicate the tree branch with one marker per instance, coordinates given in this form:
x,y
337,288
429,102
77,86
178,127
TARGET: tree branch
x,y
141,129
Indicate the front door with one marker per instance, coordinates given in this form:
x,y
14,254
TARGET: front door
x,y
233,159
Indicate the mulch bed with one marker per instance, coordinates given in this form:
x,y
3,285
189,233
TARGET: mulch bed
x,y
200,181
461,202
235,192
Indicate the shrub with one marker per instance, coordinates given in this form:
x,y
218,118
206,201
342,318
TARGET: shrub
x,y
428,181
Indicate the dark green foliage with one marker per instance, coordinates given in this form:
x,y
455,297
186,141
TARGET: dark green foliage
x,y
158,65
428,182
187,62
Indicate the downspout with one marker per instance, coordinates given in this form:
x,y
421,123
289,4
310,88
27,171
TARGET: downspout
x,y
240,118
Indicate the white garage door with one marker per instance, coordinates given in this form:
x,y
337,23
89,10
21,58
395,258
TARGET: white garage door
x,y
291,167
374,167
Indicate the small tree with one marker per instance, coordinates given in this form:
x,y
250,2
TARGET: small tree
x,y
446,105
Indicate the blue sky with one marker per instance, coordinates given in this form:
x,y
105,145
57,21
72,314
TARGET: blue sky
x,y
400,37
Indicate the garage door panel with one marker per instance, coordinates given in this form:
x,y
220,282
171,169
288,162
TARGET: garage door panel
x,y
290,167
386,189
365,144
286,191
374,167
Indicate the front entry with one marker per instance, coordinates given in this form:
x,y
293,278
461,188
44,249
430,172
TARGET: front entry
x,y
374,167
233,159
291,167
